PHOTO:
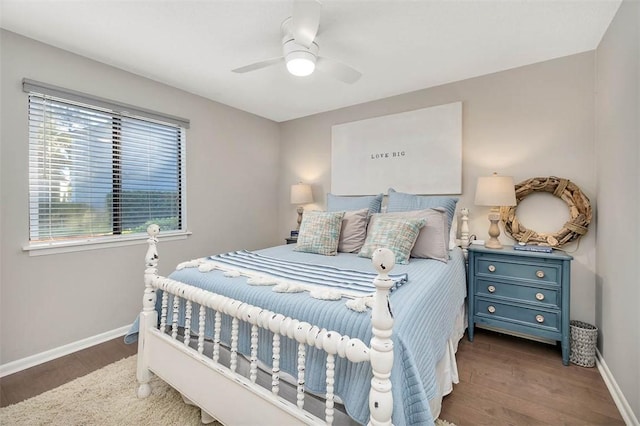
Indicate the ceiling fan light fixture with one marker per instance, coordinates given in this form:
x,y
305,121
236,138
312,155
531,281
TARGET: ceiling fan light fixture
x,y
301,63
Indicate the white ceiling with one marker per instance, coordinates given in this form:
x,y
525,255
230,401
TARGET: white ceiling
x,y
399,46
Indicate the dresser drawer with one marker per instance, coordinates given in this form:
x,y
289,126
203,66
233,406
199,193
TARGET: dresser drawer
x,y
518,314
547,273
530,294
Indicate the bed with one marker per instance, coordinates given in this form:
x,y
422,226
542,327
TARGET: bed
x,y
382,354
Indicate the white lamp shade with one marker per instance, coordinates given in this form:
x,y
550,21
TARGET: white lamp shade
x,y
495,191
301,194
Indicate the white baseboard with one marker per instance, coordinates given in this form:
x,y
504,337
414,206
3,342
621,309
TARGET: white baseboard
x,y
621,402
33,360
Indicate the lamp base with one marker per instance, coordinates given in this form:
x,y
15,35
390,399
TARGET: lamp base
x,y
493,243
300,210
494,230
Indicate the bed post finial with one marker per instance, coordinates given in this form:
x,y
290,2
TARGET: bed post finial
x,y
380,397
151,259
464,230
148,316
151,270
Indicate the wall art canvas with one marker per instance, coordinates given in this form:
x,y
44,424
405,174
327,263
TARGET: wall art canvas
x,y
417,151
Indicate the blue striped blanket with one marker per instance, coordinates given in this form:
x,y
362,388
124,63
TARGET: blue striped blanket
x,y
308,276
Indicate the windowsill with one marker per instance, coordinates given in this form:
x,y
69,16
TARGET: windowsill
x,y
42,249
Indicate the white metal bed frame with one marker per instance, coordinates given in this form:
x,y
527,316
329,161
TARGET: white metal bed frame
x,y
201,379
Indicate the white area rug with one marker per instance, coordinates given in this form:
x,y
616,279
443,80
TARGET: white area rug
x,y
104,397
107,397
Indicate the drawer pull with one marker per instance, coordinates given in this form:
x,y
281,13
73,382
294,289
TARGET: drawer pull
x,y
540,318
491,268
539,296
491,309
540,274
491,289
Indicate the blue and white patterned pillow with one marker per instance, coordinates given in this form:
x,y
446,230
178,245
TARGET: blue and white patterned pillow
x,y
402,202
395,233
320,232
336,203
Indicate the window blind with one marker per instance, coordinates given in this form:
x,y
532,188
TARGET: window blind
x,y
94,172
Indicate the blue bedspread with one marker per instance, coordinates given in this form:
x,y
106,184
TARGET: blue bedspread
x,y
424,309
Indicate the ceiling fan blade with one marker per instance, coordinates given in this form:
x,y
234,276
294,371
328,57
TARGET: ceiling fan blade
x,y
338,70
258,65
305,21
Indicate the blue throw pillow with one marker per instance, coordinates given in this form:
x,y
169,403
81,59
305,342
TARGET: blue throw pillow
x,y
402,202
337,203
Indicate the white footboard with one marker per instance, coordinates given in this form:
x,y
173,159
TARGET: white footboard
x,y
232,398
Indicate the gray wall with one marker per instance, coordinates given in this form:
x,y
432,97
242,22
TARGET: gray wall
x,y
232,174
618,192
526,122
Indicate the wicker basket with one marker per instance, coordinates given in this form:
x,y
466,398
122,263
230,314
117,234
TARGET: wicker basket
x,y
584,338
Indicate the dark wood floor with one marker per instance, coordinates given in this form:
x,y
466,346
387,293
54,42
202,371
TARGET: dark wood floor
x,y
33,381
504,380
507,380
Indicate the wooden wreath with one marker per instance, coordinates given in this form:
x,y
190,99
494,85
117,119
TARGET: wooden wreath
x,y
574,228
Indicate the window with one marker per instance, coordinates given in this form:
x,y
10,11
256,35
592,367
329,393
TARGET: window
x,y
98,171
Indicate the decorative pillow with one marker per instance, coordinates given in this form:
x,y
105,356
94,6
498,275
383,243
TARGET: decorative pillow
x,y
354,231
336,203
433,240
397,234
402,202
319,232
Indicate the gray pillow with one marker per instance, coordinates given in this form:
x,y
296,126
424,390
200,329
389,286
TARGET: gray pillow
x,y
354,231
433,239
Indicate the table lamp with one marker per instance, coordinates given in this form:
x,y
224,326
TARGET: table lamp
x,y
301,194
495,191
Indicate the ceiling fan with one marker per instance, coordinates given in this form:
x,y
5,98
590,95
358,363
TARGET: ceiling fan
x,y
300,47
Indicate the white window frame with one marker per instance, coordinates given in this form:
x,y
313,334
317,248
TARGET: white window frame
x,y
36,248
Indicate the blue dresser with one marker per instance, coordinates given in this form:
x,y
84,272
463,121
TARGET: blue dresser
x,y
525,292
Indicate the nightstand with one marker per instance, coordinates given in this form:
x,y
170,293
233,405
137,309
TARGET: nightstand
x,y
521,291
291,240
